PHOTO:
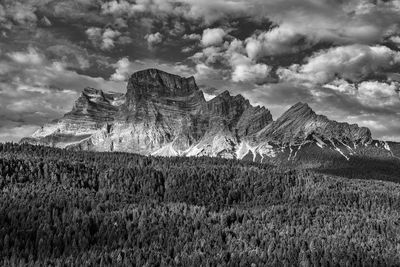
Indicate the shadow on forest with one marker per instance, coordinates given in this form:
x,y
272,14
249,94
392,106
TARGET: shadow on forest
x,y
365,168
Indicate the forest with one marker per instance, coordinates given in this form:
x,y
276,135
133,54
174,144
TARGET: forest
x,y
66,208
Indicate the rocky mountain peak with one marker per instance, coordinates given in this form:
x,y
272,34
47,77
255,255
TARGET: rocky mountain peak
x,y
225,104
153,94
299,110
89,91
237,114
157,83
225,94
300,121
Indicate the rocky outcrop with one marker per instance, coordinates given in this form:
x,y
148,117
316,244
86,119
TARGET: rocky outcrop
x,y
301,122
151,93
95,106
167,115
94,110
237,114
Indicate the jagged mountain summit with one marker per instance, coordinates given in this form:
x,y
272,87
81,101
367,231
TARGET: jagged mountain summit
x,y
166,115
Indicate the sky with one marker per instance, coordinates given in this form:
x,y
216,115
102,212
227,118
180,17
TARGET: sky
x,y
342,57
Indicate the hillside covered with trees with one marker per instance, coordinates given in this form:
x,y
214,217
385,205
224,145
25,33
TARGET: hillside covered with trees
x,y
66,208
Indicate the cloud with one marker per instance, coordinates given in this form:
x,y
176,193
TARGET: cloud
x,y
2,14
353,63
208,12
20,14
192,36
153,39
71,55
245,73
342,86
15,134
374,93
205,72
122,7
278,40
122,71
94,33
341,22
36,90
213,37
395,40
369,93
246,70
231,58
107,37
31,57
211,11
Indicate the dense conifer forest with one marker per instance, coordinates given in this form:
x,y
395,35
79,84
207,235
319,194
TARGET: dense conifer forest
x,y
65,208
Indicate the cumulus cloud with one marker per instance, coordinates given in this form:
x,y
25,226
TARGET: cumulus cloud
x,y
342,86
205,72
376,93
122,7
353,62
233,58
246,70
122,70
245,73
395,40
94,34
154,39
278,40
192,36
206,11
213,37
109,37
341,22
106,37
370,93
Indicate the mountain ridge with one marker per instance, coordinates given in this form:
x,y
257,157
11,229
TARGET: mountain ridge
x,y
167,115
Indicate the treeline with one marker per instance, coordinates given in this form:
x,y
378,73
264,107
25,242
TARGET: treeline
x,y
67,208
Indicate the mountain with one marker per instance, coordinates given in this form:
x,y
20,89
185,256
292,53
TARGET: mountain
x,y
166,115
300,122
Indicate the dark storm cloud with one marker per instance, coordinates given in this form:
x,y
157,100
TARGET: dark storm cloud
x,y
340,56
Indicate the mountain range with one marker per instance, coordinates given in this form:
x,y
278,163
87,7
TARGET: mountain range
x,y
163,114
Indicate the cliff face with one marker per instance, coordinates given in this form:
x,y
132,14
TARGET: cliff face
x,y
167,115
95,106
237,115
151,93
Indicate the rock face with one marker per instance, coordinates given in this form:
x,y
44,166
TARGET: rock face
x,y
300,122
95,106
167,115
